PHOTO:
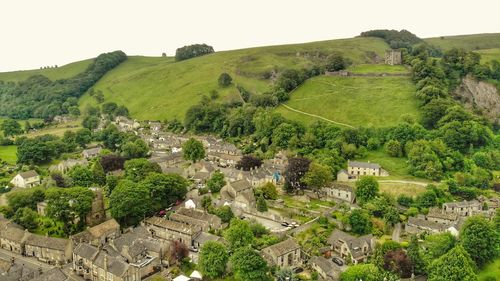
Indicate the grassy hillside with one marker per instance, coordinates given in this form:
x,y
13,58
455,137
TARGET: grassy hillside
x,y
355,101
8,154
158,88
468,42
65,71
490,54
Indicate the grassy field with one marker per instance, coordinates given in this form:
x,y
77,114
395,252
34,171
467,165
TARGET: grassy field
x,y
356,101
377,68
65,71
396,189
489,55
158,88
8,154
468,42
490,271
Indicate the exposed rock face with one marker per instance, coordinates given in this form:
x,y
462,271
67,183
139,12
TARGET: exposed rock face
x,y
481,96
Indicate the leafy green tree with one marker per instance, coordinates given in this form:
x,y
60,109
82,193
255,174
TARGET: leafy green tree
x,y
437,245
365,272
335,62
68,205
193,150
90,122
224,80
261,204
479,239
248,265
81,176
216,182
427,199
318,176
415,255
225,214
393,148
129,202
269,191
455,265
360,222
11,127
36,151
135,149
238,234
25,198
366,189
138,169
26,218
213,259
83,137
206,202
192,51
165,189
98,173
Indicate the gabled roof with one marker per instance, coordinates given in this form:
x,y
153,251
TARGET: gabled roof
x,y
28,174
462,204
423,223
354,243
326,265
343,187
363,165
13,232
172,225
104,228
204,237
86,251
59,244
282,248
240,185
55,274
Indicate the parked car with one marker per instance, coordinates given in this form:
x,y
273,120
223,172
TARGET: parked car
x,y
193,249
298,270
338,261
284,223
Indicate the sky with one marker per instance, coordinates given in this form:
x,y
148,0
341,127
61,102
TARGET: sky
x,y
37,33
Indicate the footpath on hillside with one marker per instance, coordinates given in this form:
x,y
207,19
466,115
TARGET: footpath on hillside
x,y
317,116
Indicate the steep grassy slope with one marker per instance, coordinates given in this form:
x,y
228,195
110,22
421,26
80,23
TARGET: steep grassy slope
x,y
489,55
65,71
468,42
355,101
158,88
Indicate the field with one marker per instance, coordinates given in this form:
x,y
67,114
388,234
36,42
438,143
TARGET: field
x,y
490,54
8,154
490,271
65,71
158,88
355,101
468,42
377,68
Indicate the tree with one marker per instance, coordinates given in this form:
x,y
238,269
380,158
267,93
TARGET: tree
x,y
206,202
178,251
269,191
248,162
90,122
479,239
360,222
81,176
248,265
366,189
112,162
192,51
59,179
393,148
318,176
224,80
193,150
135,149
296,169
137,169
261,204
398,262
25,198
98,173
11,127
216,182
238,234
69,205
456,265
365,272
415,256
165,189
213,259
437,245
129,202
26,218
83,137
335,62
225,214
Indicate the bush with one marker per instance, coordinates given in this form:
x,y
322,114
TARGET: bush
x,y
225,80
335,62
394,148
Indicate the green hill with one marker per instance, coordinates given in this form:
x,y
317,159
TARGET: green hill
x,y
65,71
490,54
468,42
159,88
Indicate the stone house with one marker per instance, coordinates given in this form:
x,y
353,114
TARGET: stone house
x,y
357,249
13,237
357,169
240,194
124,124
64,166
203,225
343,176
420,224
91,152
233,189
26,179
284,254
54,274
338,191
97,212
213,221
437,215
393,57
464,208
204,237
99,234
327,269
49,249
171,230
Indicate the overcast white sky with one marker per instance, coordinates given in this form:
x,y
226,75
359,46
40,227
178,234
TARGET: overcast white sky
x,y
35,33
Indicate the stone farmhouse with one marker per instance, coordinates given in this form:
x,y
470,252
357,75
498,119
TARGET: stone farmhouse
x,y
464,208
26,179
326,268
356,249
126,125
393,57
284,254
91,152
338,191
171,230
214,221
420,224
64,166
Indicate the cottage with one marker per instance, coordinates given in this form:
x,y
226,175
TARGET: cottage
x,y
49,249
13,237
233,189
464,208
204,237
99,234
213,221
437,215
26,179
357,249
419,224
171,230
326,268
204,225
284,254
91,152
357,169
340,192
343,176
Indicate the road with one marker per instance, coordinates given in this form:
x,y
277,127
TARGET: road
x,y
28,262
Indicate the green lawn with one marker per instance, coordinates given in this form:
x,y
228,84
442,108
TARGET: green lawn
x,y
377,68
468,42
65,71
8,154
490,271
159,88
356,101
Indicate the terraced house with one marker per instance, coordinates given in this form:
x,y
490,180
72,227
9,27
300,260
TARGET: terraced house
x,y
171,230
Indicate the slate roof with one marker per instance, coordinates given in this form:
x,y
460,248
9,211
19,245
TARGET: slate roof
x,y
172,225
354,243
55,274
326,265
282,248
204,237
214,220
92,151
343,187
47,242
115,264
104,228
29,174
189,220
240,185
363,165
423,223
13,232
462,204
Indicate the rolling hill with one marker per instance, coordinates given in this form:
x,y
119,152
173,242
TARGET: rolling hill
x,y
468,42
65,71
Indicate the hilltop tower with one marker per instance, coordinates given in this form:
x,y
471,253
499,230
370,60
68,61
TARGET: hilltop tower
x,y
393,57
